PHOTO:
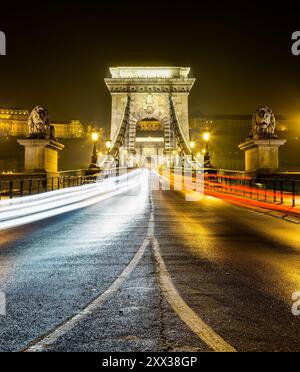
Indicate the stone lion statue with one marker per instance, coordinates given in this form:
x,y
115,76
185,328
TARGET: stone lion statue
x,y
39,123
263,124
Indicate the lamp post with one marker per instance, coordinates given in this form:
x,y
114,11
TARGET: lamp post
x,y
206,138
108,145
192,146
93,168
95,138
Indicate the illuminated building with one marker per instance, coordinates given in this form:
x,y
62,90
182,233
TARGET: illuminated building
x,y
14,123
74,129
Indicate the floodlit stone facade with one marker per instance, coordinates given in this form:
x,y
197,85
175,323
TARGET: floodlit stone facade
x,y
14,123
150,89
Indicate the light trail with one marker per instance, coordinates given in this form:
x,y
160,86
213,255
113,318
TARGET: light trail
x,y
39,207
242,201
238,195
213,184
39,197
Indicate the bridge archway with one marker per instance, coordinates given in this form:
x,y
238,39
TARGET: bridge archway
x,y
150,138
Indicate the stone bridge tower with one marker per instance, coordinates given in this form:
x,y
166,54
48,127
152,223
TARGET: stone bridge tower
x,y
149,110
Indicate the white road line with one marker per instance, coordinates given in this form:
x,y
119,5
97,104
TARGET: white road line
x,y
180,307
51,338
189,317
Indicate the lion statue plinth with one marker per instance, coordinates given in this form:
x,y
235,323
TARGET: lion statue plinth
x,y
263,124
39,124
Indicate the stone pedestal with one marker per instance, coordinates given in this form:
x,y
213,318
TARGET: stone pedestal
x,y
262,155
41,155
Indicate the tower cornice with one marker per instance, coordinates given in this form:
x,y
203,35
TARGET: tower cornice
x,y
154,85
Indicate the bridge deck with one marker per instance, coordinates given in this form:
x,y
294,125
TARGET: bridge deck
x,y
235,270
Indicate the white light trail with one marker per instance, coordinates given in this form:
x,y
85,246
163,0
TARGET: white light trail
x,y
39,207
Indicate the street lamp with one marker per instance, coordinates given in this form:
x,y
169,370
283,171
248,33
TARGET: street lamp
x,y
95,138
206,138
108,144
192,146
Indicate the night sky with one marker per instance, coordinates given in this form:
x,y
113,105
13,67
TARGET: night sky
x,y
58,55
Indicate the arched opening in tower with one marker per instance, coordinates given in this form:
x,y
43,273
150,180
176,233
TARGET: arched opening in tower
x,y
150,127
150,137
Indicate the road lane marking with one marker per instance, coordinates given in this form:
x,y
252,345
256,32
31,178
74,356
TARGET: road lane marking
x,y
45,341
177,303
185,313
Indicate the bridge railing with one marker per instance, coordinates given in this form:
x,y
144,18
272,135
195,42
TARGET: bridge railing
x,y
281,191
12,188
20,185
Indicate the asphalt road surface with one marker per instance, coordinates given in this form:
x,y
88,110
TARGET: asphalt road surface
x,y
149,271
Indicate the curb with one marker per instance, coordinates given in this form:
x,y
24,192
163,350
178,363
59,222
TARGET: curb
x,y
283,216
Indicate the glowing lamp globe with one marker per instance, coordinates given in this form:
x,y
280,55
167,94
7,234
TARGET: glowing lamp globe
x,y
206,136
95,136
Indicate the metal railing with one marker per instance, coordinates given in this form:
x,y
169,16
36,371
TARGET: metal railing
x,y
282,191
20,185
12,188
272,190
